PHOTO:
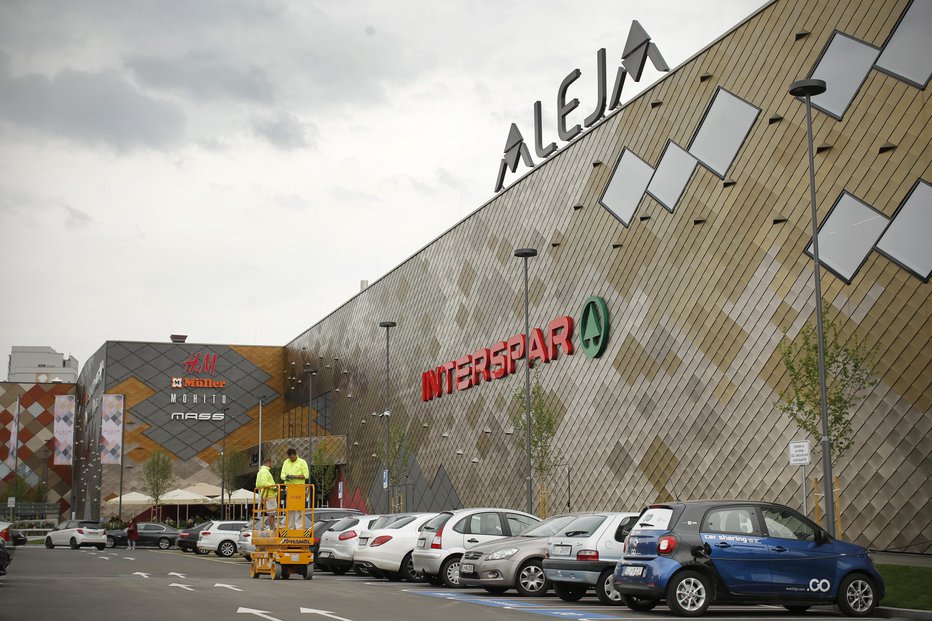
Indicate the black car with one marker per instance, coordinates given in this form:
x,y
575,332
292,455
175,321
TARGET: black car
x,y
150,535
19,539
4,557
187,538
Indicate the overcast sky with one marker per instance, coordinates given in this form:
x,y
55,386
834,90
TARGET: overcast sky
x,y
231,169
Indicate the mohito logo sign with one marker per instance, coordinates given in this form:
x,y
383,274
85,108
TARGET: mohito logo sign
x,y
497,361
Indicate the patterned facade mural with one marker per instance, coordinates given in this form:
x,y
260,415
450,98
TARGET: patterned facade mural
x,y
688,212
36,443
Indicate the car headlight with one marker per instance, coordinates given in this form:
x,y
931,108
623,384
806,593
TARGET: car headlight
x,y
500,554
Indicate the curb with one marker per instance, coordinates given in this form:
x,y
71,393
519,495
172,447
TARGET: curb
x,y
903,613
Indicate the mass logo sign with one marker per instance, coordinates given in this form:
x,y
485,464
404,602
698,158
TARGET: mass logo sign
x,y
499,359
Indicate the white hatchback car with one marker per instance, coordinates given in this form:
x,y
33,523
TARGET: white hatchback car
x,y
444,539
387,551
584,553
338,543
220,537
77,534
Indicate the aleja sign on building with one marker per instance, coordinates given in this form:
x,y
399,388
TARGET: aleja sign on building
x,y
498,360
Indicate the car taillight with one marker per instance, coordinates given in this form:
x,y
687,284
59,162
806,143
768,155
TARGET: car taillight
x,y
666,544
437,543
247,535
204,533
316,541
380,540
80,531
347,534
587,555
184,535
5,534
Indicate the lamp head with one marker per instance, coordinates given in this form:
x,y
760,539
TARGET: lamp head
x,y
810,88
387,324
526,253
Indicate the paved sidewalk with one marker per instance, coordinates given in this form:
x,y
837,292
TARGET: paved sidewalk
x,y
902,558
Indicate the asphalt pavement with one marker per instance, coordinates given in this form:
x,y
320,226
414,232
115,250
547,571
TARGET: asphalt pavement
x,y
142,585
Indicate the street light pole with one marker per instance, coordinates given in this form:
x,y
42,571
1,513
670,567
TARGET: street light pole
x,y
388,325
807,89
310,428
223,466
261,399
526,253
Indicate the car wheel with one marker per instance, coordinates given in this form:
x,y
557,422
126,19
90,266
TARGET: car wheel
x,y
111,542
450,572
252,572
74,544
339,570
797,610
531,581
407,568
689,594
226,549
200,552
495,590
432,579
100,546
309,571
569,592
165,543
640,604
361,570
605,589
393,576
277,573
48,543
857,596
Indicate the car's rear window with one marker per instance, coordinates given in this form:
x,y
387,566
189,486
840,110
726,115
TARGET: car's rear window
x,y
582,526
438,521
550,526
655,517
401,522
89,525
344,524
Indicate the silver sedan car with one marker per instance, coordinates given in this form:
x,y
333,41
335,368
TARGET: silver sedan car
x,y
516,562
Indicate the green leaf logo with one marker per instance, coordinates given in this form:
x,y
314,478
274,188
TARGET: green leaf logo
x,y
594,325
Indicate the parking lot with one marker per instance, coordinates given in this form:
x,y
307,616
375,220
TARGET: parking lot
x,y
142,584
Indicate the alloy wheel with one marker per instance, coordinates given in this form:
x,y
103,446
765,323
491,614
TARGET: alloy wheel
x,y
860,596
690,594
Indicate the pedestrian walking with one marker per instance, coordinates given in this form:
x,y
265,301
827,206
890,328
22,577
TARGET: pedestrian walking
x,y
268,496
294,472
132,534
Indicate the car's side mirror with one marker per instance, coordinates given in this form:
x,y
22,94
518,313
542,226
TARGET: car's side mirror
x,y
821,537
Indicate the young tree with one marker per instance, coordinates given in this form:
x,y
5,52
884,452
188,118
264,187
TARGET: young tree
x,y
157,476
228,466
849,377
324,471
544,458
397,462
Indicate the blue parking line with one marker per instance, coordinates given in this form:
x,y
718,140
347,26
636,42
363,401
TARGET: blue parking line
x,y
521,605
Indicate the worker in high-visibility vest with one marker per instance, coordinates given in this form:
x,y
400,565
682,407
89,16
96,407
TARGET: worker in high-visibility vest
x,y
268,498
294,472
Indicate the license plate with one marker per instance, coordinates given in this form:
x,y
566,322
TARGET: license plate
x,y
294,557
562,550
467,569
362,541
323,554
632,571
421,542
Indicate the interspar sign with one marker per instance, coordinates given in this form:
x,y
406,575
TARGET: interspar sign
x,y
497,361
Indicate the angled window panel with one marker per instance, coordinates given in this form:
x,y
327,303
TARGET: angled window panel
x,y
848,235
674,170
722,131
844,65
626,186
907,54
908,239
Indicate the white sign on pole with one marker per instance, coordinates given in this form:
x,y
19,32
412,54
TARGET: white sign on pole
x,y
10,502
340,489
385,479
799,453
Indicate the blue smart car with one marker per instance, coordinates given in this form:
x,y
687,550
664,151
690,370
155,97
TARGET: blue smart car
x,y
693,554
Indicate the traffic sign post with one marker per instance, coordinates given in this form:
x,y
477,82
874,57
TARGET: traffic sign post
x,y
340,492
799,453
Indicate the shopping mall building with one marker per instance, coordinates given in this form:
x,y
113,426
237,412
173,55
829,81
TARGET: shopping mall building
x,y
687,212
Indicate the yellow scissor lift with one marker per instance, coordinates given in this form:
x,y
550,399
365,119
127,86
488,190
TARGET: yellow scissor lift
x,y
280,551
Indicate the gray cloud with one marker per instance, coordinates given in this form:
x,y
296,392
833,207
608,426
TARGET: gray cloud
x,y
203,76
96,108
76,219
285,131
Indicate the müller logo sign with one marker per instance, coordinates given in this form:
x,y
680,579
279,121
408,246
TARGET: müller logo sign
x,y
498,360
638,48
